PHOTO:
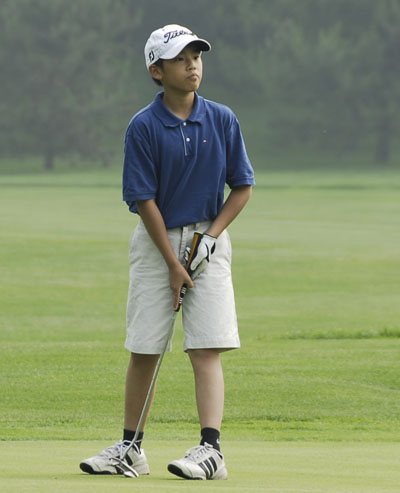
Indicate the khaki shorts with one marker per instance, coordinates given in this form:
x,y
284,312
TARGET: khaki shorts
x,y
208,310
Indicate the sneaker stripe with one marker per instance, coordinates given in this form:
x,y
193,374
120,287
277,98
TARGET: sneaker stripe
x,y
206,468
214,464
210,466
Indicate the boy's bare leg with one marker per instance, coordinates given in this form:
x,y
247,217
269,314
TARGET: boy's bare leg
x,y
209,382
138,378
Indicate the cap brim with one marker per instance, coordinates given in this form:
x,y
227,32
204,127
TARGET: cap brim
x,y
173,52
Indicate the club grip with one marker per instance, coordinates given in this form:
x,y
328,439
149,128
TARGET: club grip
x,y
181,296
193,250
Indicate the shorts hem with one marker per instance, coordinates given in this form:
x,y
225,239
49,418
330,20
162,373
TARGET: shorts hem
x,y
146,350
221,345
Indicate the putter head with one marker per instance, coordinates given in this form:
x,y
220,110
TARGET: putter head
x,y
127,470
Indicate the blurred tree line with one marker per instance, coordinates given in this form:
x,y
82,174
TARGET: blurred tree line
x,y
301,75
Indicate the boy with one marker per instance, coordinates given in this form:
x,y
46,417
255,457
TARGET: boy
x,y
180,151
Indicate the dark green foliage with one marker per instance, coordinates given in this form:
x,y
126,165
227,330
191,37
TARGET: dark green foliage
x,y
309,76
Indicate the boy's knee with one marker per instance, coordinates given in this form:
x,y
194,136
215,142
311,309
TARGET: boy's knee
x,y
143,360
203,356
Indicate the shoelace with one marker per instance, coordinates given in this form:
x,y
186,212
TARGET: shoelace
x,y
197,453
116,450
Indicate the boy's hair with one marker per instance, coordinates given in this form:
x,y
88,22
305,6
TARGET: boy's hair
x,y
158,63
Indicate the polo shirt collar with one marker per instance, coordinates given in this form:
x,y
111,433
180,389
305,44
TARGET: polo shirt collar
x,y
171,120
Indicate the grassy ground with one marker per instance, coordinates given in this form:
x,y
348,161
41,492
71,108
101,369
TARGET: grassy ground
x,y
316,262
278,467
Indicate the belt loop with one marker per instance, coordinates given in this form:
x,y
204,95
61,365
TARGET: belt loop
x,y
182,246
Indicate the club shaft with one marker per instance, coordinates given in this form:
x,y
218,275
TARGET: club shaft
x,y
155,374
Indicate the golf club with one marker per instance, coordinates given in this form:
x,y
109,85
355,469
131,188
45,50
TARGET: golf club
x,y
126,469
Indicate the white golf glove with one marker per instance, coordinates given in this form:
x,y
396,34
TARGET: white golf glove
x,y
205,247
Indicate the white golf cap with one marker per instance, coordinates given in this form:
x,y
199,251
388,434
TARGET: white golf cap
x,y
168,41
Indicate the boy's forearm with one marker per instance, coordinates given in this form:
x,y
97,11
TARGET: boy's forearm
x,y
234,204
155,225
154,222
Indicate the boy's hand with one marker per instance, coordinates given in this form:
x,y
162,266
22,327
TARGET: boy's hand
x,y
177,278
198,261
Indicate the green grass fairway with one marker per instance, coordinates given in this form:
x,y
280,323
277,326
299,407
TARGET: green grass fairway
x,y
313,395
267,466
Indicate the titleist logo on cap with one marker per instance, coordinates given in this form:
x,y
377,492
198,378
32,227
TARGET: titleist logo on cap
x,y
168,41
174,34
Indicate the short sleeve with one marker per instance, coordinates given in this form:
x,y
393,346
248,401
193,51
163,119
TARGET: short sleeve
x,y
140,180
238,167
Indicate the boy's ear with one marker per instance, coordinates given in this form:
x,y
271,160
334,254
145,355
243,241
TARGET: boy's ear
x,y
155,72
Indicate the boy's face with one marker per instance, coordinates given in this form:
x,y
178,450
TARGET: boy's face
x,y
182,73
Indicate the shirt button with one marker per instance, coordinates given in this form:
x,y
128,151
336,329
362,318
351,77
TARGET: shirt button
x,y
184,124
187,139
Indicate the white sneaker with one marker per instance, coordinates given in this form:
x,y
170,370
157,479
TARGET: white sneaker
x,y
201,462
105,462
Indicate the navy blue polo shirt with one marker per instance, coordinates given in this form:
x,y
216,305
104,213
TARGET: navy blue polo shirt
x,y
184,165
